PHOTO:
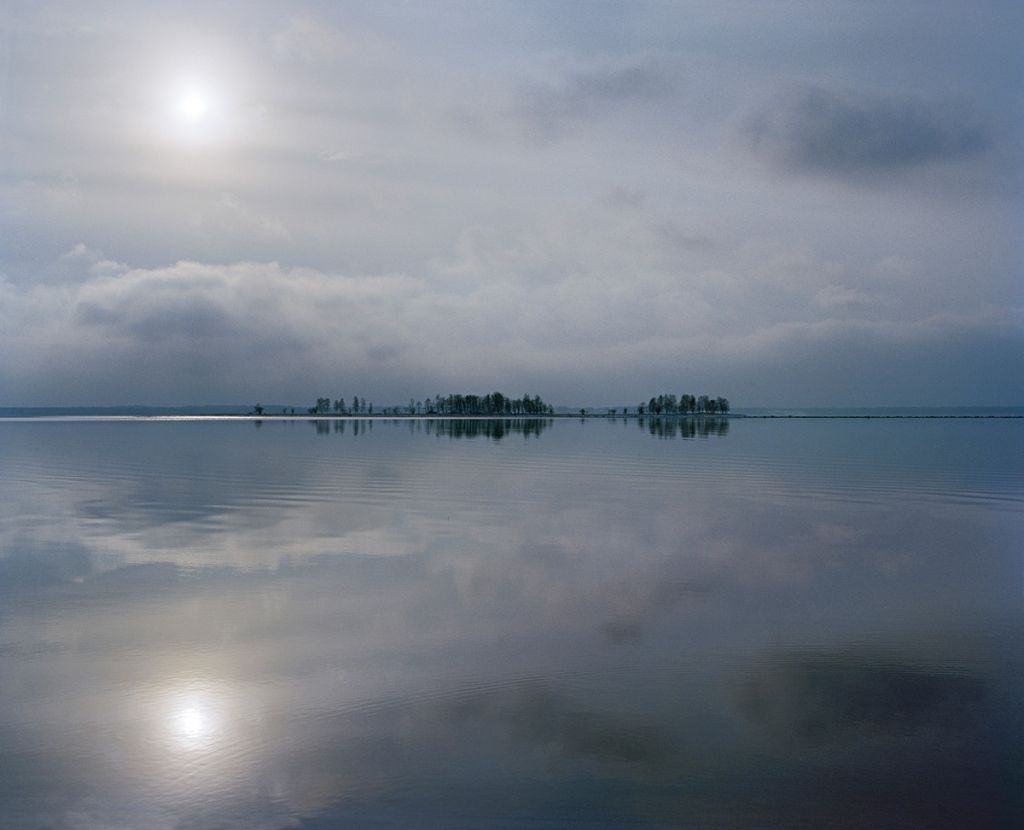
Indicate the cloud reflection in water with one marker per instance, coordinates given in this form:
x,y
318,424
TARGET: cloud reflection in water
x,y
211,625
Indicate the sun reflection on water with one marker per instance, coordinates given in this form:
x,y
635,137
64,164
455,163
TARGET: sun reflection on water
x,y
202,740
194,717
191,723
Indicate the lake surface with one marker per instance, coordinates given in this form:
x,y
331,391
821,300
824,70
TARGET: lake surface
x,y
219,624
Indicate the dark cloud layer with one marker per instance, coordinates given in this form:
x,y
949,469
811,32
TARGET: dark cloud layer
x,y
846,134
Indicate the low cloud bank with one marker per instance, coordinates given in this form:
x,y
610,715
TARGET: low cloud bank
x,y
201,332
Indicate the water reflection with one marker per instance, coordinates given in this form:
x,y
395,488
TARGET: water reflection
x,y
535,713
839,697
205,625
497,428
694,427
194,715
492,428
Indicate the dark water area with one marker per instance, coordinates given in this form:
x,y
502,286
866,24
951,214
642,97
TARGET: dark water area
x,y
554,623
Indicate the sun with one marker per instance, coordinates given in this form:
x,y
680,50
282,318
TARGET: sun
x,y
192,108
193,105
194,113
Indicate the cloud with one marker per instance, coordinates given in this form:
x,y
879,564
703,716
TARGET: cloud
x,y
80,251
973,357
840,296
513,311
547,111
310,40
626,198
229,215
846,134
926,331
187,324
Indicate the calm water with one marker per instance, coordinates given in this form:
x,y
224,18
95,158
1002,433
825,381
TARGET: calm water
x,y
401,624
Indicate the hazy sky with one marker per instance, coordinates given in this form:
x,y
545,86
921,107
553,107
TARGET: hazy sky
x,y
805,203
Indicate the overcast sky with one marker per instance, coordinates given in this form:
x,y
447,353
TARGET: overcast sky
x,y
786,203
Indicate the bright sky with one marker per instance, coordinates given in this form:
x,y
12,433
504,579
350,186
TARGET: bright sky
x,y
804,203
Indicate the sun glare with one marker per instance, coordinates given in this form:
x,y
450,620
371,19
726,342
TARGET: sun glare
x,y
191,723
194,722
193,105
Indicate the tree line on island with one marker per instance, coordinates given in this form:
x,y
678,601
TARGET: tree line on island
x,y
685,405
491,404
497,404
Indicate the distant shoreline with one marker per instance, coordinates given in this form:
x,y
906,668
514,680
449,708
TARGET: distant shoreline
x,y
877,417
601,416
